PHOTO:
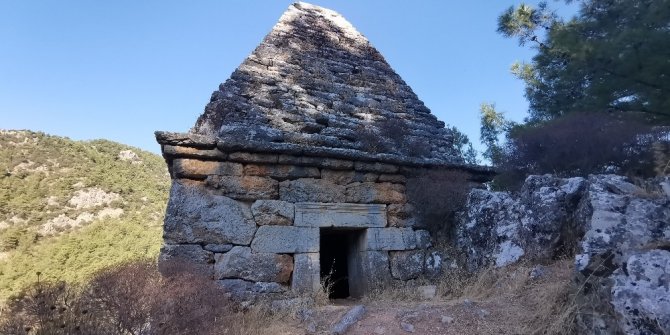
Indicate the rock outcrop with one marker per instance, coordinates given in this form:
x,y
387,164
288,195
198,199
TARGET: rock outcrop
x,y
620,233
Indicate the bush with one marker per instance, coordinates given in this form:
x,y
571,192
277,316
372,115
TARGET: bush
x,y
437,195
128,299
577,145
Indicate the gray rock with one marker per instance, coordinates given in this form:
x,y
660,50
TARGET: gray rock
x,y
537,272
354,315
242,263
446,320
389,239
348,176
434,264
286,239
194,216
641,293
423,239
341,215
408,327
427,292
499,229
407,265
311,190
273,212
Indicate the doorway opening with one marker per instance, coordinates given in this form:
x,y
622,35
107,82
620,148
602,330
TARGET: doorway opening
x,y
339,261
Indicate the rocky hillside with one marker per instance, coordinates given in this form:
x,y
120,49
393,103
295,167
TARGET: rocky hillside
x,y
69,208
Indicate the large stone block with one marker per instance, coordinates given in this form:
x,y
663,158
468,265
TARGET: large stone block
x,y
406,265
245,188
282,172
340,215
344,177
401,215
175,256
195,216
306,273
389,239
188,152
273,212
311,190
375,270
282,239
242,263
378,193
200,169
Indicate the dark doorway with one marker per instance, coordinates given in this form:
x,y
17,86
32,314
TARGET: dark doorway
x,y
337,256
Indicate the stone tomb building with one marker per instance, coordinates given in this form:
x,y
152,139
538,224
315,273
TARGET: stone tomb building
x,y
296,172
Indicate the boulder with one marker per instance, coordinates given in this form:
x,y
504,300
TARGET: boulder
x,y
498,228
273,212
242,263
641,293
195,216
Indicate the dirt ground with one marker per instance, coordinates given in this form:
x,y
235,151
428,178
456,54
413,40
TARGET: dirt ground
x,y
507,301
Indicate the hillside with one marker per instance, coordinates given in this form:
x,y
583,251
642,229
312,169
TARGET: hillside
x,y
69,208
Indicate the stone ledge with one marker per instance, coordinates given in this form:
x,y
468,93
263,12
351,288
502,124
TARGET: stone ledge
x,y
318,156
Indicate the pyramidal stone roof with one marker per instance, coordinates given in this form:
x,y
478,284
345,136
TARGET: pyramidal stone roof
x,y
316,86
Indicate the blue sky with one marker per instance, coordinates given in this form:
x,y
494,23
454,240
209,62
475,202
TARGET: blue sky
x,y
122,69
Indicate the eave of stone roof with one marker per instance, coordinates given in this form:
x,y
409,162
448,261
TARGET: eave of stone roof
x,y
316,85
206,142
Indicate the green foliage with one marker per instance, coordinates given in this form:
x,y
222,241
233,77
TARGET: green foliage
x,y
40,174
611,57
493,125
464,147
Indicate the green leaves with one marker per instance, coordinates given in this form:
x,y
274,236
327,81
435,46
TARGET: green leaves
x,y
613,56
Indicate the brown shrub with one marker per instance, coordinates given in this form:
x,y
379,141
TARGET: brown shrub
x,y
128,299
578,144
437,195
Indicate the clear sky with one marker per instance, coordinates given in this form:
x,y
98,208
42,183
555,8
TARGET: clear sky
x,y
122,69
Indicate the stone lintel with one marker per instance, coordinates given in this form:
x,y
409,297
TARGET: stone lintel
x,y
314,214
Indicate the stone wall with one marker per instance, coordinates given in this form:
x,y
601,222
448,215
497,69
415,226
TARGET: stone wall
x,y
253,220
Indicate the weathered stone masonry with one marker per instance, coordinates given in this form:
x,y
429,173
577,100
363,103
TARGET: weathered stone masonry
x,y
257,217
310,143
